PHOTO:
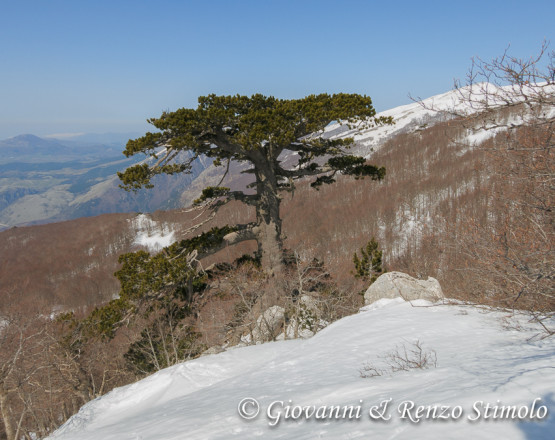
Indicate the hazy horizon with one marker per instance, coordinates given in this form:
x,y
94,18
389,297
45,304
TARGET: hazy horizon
x,y
102,66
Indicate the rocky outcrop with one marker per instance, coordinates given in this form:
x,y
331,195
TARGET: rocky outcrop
x,y
398,284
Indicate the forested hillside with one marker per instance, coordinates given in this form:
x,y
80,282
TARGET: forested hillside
x,y
458,203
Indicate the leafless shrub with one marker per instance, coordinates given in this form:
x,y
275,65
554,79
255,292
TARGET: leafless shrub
x,y
402,358
414,357
370,370
312,295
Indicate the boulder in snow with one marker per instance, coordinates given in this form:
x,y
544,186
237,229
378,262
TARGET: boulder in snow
x,y
305,321
268,325
398,284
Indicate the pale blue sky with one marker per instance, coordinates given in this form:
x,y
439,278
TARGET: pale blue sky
x,y
101,66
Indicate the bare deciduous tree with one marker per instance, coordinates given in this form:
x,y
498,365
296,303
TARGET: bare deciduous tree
x,y
510,252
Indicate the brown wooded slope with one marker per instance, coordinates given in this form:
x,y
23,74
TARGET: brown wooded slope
x,y
433,188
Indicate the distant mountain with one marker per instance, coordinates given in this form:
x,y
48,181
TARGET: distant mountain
x,y
29,148
45,180
102,144
30,145
109,139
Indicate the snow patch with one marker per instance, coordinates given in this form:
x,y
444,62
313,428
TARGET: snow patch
x,y
152,235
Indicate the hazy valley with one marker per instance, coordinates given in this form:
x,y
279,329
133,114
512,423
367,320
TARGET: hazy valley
x,y
48,180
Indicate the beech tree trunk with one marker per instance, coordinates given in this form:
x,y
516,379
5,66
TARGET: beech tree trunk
x,y
8,424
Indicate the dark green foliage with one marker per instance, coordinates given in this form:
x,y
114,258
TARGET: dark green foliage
x,y
256,130
143,275
148,279
136,177
200,243
350,166
321,180
248,259
355,166
104,321
369,265
211,192
232,127
155,300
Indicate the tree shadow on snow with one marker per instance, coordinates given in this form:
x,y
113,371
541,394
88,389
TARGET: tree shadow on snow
x,y
544,429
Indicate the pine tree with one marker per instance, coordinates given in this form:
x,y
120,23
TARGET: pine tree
x,y
369,265
256,131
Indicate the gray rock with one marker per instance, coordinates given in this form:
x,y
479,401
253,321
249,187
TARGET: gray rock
x,y
212,350
398,284
305,321
268,325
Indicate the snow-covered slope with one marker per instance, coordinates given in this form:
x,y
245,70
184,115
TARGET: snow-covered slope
x,y
421,115
410,117
480,360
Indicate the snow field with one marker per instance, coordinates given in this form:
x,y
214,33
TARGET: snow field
x,y
480,363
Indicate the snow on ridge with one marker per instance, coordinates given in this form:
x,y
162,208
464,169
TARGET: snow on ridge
x,y
478,359
150,234
369,140
417,116
405,116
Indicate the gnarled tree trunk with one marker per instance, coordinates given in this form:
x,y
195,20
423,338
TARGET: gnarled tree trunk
x,y
268,221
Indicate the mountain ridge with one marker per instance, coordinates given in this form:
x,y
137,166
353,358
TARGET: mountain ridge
x,y
100,193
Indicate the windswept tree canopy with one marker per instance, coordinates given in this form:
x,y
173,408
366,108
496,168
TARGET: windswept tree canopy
x,y
256,130
242,128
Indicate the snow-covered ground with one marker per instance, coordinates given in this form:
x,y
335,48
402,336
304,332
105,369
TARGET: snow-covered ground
x,y
483,365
